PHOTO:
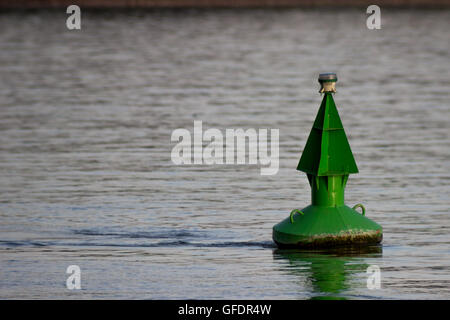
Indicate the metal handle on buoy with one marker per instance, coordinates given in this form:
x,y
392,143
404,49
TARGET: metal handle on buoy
x,y
359,205
293,212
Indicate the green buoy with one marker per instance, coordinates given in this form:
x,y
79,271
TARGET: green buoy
x,y
327,161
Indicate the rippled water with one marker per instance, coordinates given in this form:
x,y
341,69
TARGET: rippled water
x,y
86,176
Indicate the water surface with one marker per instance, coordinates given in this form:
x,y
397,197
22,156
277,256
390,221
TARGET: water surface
x,y
87,179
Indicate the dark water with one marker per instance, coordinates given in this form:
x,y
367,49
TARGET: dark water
x,y
86,176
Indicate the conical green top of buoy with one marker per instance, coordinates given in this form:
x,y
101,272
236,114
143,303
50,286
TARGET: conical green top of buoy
x,y
327,151
327,160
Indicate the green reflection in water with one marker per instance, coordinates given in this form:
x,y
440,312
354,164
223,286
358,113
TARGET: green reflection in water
x,y
328,272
